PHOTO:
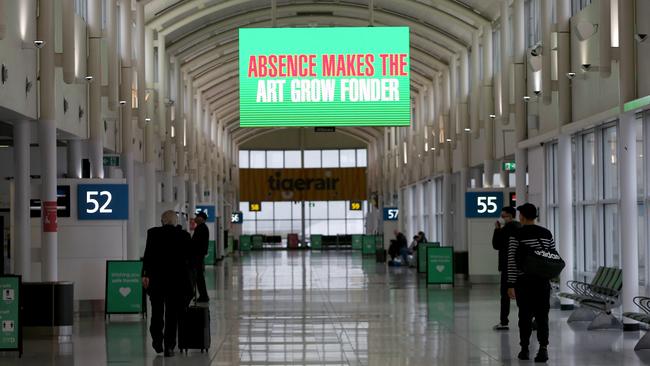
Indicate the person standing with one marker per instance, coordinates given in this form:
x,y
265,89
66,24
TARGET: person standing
x,y
532,293
200,242
166,278
504,229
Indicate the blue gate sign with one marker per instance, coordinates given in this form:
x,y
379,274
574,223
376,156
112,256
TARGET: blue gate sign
x,y
391,213
209,210
237,218
483,204
103,202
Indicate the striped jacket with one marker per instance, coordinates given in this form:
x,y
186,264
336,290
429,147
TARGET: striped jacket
x,y
531,236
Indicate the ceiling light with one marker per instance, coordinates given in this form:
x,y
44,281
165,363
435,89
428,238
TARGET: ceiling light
x,y
526,98
467,129
89,78
493,116
570,75
448,140
39,43
147,119
585,67
122,102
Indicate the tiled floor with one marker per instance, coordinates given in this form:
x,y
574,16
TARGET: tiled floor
x,y
335,308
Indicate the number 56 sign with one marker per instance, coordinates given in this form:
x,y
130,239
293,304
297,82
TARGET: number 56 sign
x,y
483,204
103,202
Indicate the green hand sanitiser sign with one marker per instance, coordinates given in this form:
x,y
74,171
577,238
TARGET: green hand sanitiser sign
x,y
324,77
124,287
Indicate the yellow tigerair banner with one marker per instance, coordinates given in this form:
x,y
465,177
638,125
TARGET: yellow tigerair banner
x,y
321,184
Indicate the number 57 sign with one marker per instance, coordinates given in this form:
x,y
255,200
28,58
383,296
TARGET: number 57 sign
x,y
483,204
103,202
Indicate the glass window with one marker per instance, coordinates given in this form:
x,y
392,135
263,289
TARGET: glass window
x,y
257,159
610,176
354,214
264,227
248,227
354,227
312,159
267,211
639,157
612,247
318,227
243,159
590,239
348,158
362,158
318,210
282,227
282,210
642,243
336,227
336,209
589,166
330,158
274,159
292,159
296,209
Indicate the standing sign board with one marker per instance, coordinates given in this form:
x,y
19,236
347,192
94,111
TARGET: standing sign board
x,y
440,265
316,241
211,257
357,242
422,255
11,337
368,244
244,243
124,292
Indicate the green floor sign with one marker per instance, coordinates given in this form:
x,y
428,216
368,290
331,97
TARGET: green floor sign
x,y
422,255
357,242
368,244
316,241
10,335
124,287
244,243
440,265
210,258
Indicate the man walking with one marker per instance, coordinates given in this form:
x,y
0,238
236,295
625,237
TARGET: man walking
x,y
532,293
165,276
200,242
504,229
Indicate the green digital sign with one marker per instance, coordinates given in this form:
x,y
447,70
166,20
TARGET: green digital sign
x,y
324,77
10,334
124,287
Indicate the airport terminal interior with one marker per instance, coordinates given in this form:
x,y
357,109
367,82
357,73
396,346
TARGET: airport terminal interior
x,y
293,140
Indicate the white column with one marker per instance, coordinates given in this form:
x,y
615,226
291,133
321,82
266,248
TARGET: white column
x,y
113,54
126,24
547,88
605,38
74,158
628,212
95,124
447,223
47,142
475,87
68,40
521,156
565,197
21,234
505,62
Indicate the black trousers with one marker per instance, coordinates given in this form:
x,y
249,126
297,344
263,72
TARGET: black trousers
x,y
199,273
165,313
505,299
533,300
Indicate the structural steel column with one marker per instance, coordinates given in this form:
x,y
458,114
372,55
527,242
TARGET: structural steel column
x,y
74,159
22,185
96,127
47,142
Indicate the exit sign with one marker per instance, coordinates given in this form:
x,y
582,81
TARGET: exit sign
x,y
111,160
509,166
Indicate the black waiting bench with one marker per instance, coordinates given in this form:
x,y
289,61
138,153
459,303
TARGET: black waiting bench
x,y
643,303
597,299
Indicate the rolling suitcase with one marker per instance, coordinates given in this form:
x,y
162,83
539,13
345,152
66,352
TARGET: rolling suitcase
x,y
194,329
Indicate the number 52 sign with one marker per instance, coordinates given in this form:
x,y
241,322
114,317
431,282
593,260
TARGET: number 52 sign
x,y
103,202
483,204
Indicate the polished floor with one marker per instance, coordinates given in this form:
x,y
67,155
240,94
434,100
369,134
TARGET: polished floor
x,y
334,308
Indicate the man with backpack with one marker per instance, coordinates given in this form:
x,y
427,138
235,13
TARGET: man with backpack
x,y
528,279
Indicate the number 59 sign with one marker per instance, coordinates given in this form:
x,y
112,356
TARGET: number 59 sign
x,y
103,202
483,204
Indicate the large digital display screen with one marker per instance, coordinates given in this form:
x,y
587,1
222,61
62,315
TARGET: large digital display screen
x,y
324,77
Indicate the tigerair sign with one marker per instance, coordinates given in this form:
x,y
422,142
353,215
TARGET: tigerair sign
x,y
302,184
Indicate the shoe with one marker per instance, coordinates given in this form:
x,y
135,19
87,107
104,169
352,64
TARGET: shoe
x,y
501,327
157,347
169,353
523,355
542,355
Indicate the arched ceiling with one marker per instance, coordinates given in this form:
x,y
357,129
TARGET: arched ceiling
x,y
201,36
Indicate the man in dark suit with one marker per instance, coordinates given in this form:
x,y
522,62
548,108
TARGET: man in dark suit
x,y
200,242
166,277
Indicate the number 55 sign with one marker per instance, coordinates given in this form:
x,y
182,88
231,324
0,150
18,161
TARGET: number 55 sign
x,y
103,202
483,204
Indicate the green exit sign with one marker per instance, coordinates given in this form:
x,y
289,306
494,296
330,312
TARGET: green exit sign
x,y
111,160
509,166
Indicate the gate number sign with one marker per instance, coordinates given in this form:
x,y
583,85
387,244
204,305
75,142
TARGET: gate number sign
x,y
483,204
391,213
102,202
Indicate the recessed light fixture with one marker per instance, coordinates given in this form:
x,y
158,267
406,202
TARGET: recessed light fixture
x,y
526,98
448,140
122,102
467,129
89,78
39,43
570,75
493,116
147,119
